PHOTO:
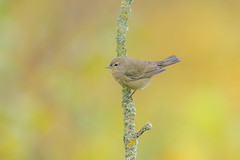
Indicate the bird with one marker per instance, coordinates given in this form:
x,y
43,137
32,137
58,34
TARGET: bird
x,y
137,74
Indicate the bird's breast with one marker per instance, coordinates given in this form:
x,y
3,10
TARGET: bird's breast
x,y
138,84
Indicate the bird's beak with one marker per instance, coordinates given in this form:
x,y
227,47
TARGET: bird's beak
x,y
108,67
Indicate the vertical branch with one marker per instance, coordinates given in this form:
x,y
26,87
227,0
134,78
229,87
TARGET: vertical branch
x,y
128,107
122,27
130,137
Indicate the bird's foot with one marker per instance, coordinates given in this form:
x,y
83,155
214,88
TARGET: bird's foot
x,y
127,99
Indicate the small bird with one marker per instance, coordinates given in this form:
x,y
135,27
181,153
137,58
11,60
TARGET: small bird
x,y
137,74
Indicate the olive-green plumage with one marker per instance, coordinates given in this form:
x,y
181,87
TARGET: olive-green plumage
x,y
137,74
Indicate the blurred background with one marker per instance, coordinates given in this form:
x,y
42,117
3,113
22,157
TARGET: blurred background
x,y
57,102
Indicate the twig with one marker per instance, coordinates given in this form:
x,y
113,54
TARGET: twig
x,y
146,127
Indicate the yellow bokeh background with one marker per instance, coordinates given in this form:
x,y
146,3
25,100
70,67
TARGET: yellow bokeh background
x,y
57,102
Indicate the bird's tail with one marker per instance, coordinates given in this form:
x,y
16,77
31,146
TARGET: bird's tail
x,y
168,61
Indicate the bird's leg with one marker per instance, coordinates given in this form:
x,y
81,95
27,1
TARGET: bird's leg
x,y
129,96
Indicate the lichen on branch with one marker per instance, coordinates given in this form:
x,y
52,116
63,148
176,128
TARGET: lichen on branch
x,y
122,27
130,137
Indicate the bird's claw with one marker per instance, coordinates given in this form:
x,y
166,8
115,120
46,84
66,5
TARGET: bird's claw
x,y
127,99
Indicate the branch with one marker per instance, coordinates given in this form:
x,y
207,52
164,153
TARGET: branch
x,y
122,27
130,137
147,126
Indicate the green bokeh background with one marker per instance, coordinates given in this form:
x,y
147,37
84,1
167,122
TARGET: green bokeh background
x,y
57,102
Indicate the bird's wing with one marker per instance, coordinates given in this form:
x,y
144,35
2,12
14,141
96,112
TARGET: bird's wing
x,y
151,73
146,71
134,74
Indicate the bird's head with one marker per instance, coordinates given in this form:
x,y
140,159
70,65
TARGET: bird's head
x,y
116,63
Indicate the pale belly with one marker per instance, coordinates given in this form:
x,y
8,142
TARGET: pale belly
x,y
137,84
132,84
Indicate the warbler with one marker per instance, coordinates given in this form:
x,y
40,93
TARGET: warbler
x,y
137,74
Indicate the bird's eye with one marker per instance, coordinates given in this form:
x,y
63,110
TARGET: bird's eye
x,y
115,64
